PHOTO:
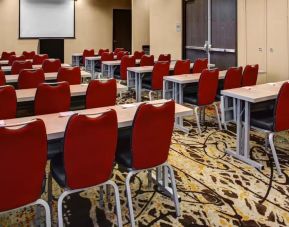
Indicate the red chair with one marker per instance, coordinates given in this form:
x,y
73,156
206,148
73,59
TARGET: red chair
x,y
138,54
147,60
250,75
87,53
19,66
233,78
275,120
165,57
182,67
51,65
120,54
30,78
200,65
101,51
13,58
88,157
22,166
146,146
8,102
116,50
28,55
39,59
72,75
52,98
206,94
6,55
105,56
101,93
126,62
2,78
160,70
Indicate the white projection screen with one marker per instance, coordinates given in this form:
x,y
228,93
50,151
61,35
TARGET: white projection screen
x,y
46,19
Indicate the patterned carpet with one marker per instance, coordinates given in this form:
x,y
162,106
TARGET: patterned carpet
x,y
215,189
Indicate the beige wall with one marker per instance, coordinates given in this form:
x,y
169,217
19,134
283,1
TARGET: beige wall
x,y
164,17
93,26
140,24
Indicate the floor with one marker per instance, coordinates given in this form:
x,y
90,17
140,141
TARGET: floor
x,y
215,189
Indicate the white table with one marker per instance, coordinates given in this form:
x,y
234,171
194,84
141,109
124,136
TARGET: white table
x,y
48,76
241,99
76,59
135,75
173,88
4,62
26,95
8,68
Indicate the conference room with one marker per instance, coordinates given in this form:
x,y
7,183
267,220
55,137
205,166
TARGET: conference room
x,y
144,113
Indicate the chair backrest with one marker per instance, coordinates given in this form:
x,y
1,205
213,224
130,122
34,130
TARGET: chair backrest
x,y
87,53
233,78
200,65
8,102
52,98
116,50
22,164
164,57
208,87
2,78
13,58
138,54
38,59
101,93
126,62
281,113
70,74
107,56
160,70
30,78
6,55
250,75
89,155
28,55
101,51
147,60
19,66
182,67
51,65
120,54
151,134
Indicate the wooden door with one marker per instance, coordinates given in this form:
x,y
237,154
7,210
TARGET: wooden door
x,y
122,31
277,40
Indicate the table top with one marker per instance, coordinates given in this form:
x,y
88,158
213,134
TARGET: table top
x,y
148,69
48,76
190,78
117,62
255,94
55,125
97,58
8,67
25,95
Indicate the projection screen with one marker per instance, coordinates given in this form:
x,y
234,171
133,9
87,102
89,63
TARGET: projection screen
x,y
46,19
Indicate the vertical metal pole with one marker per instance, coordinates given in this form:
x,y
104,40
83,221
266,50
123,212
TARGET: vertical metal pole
x,y
209,32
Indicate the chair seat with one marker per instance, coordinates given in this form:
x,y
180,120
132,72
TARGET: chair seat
x,y
123,152
191,98
263,120
57,170
190,89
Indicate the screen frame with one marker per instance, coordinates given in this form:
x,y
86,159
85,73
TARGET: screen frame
x,y
19,23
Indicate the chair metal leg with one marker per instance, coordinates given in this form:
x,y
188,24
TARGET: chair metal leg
x,y
108,192
49,190
196,109
149,175
129,199
150,95
218,116
174,188
59,208
117,202
47,211
271,141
